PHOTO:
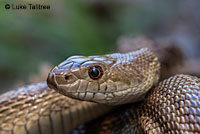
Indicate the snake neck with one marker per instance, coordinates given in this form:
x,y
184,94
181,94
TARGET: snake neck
x,y
134,74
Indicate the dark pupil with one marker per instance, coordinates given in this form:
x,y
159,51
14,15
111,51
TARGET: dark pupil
x,y
94,72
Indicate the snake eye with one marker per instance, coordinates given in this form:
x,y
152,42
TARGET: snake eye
x,y
67,77
95,72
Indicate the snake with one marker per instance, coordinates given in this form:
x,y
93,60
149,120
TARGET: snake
x,y
83,88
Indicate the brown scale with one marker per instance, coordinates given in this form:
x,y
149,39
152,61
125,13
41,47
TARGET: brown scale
x,y
37,109
172,107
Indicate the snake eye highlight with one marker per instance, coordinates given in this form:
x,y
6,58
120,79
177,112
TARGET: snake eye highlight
x,y
95,72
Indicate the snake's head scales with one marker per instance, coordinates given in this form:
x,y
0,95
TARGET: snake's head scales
x,y
81,77
109,79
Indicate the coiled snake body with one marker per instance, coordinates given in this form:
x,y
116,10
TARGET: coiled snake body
x,y
173,106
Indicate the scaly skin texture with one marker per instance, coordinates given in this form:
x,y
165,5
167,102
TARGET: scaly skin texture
x,y
37,109
172,107
126,78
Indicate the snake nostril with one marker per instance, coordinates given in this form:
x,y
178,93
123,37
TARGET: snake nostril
x,y
51,81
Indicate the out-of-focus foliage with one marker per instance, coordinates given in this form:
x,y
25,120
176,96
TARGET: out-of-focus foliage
x,y
70,27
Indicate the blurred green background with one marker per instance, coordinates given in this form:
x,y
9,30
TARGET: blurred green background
x,y
85,27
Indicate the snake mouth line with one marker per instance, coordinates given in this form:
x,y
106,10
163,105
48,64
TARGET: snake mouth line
x,y
106,92
98,92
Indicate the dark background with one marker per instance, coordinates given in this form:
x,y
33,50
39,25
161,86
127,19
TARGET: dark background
x,y
31,42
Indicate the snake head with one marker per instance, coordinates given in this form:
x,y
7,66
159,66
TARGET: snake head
x,y
110,79
82,77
